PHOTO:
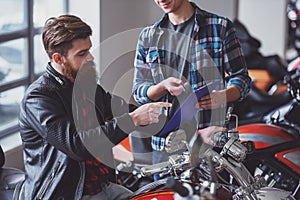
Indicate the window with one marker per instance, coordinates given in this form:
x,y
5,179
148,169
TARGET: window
x,y
22,57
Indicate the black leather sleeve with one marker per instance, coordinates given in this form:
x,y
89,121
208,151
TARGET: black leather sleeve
x,y
45,114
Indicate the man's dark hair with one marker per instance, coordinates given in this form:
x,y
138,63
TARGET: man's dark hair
x,y
60,32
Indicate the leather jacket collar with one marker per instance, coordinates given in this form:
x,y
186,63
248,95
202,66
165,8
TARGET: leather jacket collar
x,y
62,80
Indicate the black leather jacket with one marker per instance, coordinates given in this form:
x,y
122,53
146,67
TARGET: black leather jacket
x,y
54,153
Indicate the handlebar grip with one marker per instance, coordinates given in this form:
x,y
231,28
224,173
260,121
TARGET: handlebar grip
x,y
178,187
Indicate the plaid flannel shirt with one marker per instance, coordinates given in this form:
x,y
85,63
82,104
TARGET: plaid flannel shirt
x,y
214,51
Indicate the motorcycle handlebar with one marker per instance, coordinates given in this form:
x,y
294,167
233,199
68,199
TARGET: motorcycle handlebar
x,y
156,168
219,139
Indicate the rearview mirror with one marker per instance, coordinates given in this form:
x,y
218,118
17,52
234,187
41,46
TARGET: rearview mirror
x,y
176,141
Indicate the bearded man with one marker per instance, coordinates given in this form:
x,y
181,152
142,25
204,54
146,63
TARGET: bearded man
x,y
68,122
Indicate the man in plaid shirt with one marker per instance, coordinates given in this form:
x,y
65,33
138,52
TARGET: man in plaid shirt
x,y
186,49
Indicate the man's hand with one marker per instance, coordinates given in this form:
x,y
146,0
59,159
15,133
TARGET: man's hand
x,y
214,100
218,97
207,133
148,113
174,86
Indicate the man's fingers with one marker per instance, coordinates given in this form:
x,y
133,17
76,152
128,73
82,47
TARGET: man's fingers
x,y
163,104
186,84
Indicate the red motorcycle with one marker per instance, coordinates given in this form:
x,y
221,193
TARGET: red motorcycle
x,y
197,173
277,142
276,156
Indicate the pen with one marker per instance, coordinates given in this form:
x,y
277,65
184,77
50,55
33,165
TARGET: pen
x,y
183,88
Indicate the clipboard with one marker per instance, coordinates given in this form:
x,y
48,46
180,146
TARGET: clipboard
x,y
187,110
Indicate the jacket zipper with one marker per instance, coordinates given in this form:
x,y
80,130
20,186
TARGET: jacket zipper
x,y
56,78
45,188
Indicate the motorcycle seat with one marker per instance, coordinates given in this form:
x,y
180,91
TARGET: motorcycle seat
x,y
9,178
259,97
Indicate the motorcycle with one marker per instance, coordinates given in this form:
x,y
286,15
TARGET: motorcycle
x,y
270,91
275,158
258,106
196,173
277,142
267,72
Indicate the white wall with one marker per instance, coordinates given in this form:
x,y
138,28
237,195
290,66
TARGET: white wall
x,y
266,20
225,8
88,11
121,22
122,15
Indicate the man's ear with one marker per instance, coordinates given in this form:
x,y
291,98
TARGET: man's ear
x,y
57,58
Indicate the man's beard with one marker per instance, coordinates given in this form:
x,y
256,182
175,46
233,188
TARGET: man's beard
x,y
86,74
86,78
68,71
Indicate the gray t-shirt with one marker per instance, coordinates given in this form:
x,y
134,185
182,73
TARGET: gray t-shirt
x,y
176,42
